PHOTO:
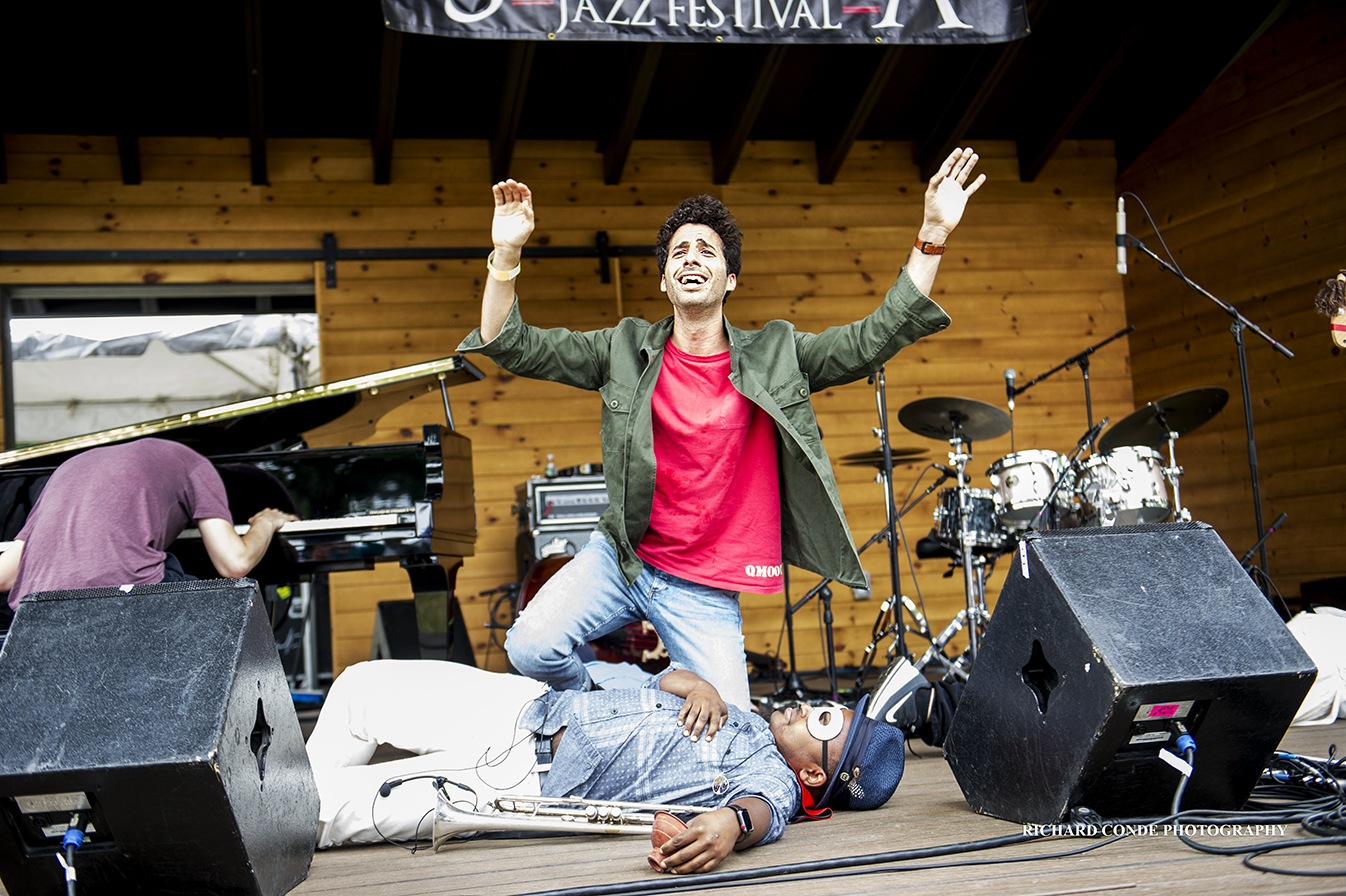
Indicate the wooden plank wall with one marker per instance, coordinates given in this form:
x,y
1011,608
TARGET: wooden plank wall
x,y
1029,281
1249,189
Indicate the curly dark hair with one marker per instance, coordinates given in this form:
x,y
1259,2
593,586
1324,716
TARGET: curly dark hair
x,y
1331,298
704,209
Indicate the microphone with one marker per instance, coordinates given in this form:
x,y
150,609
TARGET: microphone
x,y
1009,387
1094,433
1121,235
947,471
1271,530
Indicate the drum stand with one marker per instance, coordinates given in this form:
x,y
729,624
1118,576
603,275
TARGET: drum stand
x,y
1173,472
889,621
976,613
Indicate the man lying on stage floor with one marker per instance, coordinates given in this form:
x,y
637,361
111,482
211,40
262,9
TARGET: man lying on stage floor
x,y
674,740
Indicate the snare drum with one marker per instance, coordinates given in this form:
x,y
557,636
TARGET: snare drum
x,y
983,521
1124,487
1023,481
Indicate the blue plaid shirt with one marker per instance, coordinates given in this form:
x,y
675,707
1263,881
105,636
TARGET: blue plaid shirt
x,y
626,744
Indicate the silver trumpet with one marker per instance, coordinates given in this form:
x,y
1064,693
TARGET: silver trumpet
x,y
515,812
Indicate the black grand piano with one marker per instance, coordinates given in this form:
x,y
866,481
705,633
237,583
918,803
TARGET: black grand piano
x,y
358,505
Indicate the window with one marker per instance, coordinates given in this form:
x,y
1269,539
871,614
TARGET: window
x,y
86,359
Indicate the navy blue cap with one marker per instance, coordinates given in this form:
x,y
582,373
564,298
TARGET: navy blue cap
x,y
870,767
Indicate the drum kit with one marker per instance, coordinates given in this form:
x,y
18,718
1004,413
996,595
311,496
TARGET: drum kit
x,y
1124,481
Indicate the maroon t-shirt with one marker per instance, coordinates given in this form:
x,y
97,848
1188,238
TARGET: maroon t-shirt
x,y
107,515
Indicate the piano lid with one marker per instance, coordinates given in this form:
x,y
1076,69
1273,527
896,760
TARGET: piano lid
x,y
323,416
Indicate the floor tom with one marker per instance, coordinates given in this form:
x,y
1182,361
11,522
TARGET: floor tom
x,y
1124,487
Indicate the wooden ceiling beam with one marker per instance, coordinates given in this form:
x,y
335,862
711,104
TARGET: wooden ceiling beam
x,y
979,84
833,150
725,151
128,150
1034,152
628,112
252,43
518,66
390,72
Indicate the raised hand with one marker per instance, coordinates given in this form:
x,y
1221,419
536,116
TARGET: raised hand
x,y
947,194
513,222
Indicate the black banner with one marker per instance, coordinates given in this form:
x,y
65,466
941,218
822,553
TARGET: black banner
x,y
718,21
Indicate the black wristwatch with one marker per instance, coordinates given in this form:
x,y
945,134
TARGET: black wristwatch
x,y
744,822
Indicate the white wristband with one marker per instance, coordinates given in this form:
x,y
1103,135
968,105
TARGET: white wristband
x,y
502,275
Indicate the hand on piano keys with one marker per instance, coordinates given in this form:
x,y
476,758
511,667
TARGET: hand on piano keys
x,y
353,542
276,519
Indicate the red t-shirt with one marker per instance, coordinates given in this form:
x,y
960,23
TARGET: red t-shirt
x,y
716,514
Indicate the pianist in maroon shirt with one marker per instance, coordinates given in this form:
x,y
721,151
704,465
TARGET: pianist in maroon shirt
x,y
107,516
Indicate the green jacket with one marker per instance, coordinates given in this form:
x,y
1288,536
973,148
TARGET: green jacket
x,y
776,367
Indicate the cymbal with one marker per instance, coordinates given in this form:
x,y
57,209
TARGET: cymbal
x,y
1182,411
875,458
945,417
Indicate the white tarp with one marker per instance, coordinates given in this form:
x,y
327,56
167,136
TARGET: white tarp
x,y
101,373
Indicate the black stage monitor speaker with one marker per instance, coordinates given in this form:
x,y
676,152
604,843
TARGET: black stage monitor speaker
x,y
1104,646
162,711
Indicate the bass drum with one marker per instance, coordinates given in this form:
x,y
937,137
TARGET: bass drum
x,y
636,642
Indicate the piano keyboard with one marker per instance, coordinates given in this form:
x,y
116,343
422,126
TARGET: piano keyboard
x,y
336,526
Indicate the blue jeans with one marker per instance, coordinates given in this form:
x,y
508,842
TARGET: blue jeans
x,y
700,625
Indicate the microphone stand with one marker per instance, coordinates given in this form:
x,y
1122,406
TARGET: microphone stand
x,y
794,687
1082,359
1035,523
889,620
890,505
1240,324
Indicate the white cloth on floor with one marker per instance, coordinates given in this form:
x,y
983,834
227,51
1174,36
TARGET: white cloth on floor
x,y
461,722
1322,634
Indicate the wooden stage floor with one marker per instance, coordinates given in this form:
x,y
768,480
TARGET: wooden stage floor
x,y
927,810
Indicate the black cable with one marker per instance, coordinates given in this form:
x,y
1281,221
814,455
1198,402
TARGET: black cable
x,y
71,841
1249,863
753,875
695,883
386,788
1188,747
1285,607
1157,233
1319,807
1307,791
